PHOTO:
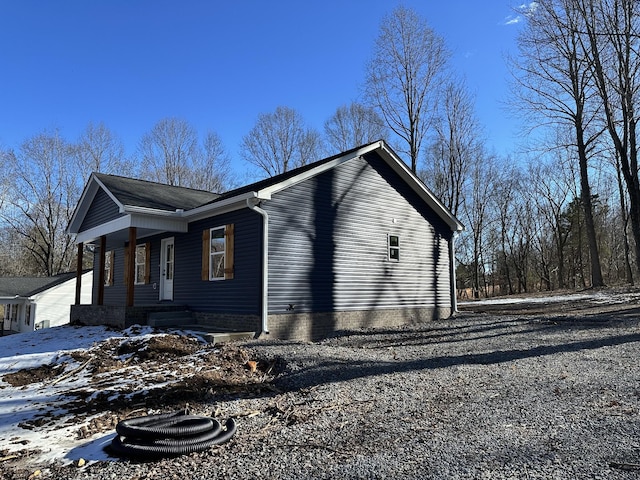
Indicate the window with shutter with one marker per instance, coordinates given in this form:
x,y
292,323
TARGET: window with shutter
x,y
217,253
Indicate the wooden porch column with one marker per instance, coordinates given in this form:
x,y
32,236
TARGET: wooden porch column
x,y
131,264
101,265
79,272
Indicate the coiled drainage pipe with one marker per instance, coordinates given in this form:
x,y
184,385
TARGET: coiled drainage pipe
x,y
168,434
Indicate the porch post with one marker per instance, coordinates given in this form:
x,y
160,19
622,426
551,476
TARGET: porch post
x,y
79,272
131,265
101,267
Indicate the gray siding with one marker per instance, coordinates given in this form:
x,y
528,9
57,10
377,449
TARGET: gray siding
x,y
240,295
103,209
328,244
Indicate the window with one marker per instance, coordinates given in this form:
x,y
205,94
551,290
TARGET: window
x,y
27,314
393,246
217,253
14,314
141,263
216,259
108,268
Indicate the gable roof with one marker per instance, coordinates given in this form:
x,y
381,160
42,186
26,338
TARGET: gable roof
x,y
11,287
263,189
180,205
142,193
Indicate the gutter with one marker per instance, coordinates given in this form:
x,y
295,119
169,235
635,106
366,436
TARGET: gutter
x,y
252,204
452,272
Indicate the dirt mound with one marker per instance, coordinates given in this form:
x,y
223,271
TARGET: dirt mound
x,y
25,377
121,376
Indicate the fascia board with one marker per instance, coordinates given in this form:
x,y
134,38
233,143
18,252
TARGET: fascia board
x,y
115,225
89,193
403,170
152,212
266,193
217,208
14,300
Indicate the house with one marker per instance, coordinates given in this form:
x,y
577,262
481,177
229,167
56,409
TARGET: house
x,y
32,303
354,240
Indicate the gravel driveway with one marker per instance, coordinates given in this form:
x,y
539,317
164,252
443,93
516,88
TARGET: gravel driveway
x,y
482,395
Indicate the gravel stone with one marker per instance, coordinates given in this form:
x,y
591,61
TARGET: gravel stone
x,y
477,396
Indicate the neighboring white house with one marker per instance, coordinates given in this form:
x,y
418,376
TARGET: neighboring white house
x,y
32,303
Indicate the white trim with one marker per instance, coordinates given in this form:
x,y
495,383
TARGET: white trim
x,y
120,223
222,253
108,192
151,222
403,170
217,208
266,193
395,247
163,263
143,246
264,300
136,210
89,193
452,273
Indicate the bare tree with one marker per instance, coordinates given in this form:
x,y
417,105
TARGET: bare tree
x,y
99,150
353,125
551,192
41,200
403,77
212,171
612,43
171,153
456,146
478,215
557,84
280,141
167,151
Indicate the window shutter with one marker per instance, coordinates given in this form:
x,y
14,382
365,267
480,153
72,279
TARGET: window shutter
x,y
206,253
228,251
126,265
111,255
147,262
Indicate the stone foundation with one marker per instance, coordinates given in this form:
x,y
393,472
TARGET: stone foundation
x,y
116,316
287,326
315,326
224,322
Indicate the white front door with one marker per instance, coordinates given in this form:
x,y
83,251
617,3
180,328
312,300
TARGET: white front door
x,y
167,268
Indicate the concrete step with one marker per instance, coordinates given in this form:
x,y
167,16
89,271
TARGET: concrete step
x,y
223,337
170,319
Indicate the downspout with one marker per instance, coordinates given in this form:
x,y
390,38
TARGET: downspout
x,y
251,204
452,272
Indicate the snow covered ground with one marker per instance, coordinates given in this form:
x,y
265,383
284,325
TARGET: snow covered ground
x,y
27,405
601,297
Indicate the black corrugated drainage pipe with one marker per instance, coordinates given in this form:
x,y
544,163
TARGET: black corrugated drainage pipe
x,y
168,434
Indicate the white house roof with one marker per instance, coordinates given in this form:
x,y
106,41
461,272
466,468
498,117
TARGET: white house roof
x,y
12,287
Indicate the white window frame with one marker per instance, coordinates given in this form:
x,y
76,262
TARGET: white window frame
x,y
217,253
139,267
393,247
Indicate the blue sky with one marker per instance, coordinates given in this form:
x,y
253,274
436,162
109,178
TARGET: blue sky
x,y
218,64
